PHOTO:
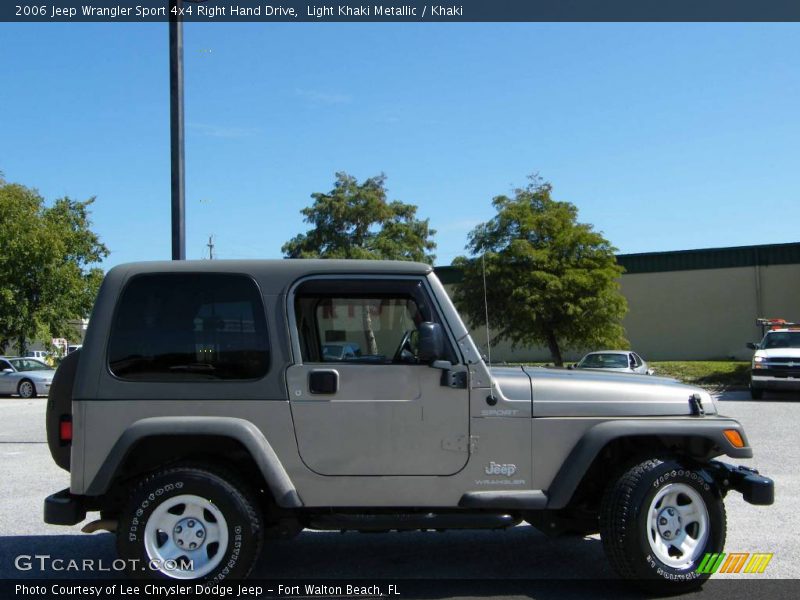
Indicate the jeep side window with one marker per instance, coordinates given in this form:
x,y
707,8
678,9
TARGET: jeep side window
x,y
374,324
189,327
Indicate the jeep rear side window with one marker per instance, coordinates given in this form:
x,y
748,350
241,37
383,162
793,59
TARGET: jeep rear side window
x,y
189,327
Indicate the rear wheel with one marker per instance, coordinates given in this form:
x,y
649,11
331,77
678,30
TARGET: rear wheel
x,y
190,523
26,389
658,521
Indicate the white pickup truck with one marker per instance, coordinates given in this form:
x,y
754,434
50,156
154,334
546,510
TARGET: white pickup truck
x,y
776,362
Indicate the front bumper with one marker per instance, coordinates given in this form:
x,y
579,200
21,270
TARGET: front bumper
x,y
775,382
64,508
754,487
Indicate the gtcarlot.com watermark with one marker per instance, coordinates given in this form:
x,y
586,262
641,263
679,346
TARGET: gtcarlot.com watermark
x,y
44,562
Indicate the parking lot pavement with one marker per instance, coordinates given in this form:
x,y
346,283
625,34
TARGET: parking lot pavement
x,y
28,475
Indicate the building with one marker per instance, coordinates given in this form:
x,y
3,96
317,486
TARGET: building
x,y
691,304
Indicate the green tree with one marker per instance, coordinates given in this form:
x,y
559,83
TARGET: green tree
x,y
550,280
355,220
46,258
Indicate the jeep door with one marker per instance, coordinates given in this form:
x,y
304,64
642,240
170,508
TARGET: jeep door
x,y
379,409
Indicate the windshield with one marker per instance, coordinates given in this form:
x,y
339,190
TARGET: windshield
x,y
781,339
30,364
605,361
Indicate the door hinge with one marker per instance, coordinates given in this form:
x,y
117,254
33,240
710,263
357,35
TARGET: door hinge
x,y
454,379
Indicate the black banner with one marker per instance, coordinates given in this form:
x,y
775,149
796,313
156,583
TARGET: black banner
x,y
210,11
400,589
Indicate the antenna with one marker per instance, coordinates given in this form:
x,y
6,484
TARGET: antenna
x,y
210,245
486,310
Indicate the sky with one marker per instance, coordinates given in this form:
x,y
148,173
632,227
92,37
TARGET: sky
x,y
665,136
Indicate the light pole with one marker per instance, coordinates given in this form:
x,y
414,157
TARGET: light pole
x,y
176,131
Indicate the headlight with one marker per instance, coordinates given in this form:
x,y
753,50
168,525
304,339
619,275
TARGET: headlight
x,y
758,359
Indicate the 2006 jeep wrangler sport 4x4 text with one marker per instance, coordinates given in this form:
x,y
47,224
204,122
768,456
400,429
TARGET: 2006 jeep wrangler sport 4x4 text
x,y
217,404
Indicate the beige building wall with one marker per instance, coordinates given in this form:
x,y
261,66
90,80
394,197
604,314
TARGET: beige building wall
x,y
701,314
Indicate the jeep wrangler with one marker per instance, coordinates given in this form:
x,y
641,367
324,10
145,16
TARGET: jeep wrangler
x,y
217,404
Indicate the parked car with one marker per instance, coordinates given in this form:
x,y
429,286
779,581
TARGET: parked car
x,y
623,361
38,354
206,417
776,361
28,377
340,351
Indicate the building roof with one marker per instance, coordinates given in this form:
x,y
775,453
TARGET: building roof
x,y
687,260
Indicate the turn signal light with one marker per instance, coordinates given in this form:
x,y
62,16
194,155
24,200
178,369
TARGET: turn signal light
x,y
734,437
65,429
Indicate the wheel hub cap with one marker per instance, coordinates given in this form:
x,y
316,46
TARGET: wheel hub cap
x,y
669,523
189,534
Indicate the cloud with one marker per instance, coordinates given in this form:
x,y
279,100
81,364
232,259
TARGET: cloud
x,y
320,97
222,131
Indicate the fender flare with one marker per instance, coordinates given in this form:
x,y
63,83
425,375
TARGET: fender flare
x,y
240,430
596,438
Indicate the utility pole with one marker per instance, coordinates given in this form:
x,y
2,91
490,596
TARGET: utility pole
x,y
176,130
210,245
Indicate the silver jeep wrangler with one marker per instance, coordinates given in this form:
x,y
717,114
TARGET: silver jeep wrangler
x,y
217,404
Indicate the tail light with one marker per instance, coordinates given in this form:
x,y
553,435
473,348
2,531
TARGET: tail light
x,y
65,429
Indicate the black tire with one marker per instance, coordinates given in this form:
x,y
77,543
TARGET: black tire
x,y
234,500
26,389
756,393
625,531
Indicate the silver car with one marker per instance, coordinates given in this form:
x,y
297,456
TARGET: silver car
x,y
623,361
28,377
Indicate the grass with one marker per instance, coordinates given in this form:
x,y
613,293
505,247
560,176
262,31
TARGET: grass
x,y
724,374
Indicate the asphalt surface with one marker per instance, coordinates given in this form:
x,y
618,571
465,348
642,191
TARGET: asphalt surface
x,y
27,475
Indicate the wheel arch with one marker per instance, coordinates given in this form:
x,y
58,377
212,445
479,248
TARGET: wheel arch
x,y
608,445
225,433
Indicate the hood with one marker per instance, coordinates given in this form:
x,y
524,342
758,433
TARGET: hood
x,y
513,382
599,393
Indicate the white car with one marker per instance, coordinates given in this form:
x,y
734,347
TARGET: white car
x,y
776,362
623,361
27,377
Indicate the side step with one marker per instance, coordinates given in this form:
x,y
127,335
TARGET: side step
x,y
411,521
505,500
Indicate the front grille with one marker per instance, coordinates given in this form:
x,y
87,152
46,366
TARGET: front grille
x,y
784,359
779,363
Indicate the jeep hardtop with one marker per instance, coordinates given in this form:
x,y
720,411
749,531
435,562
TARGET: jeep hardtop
x,y
208,412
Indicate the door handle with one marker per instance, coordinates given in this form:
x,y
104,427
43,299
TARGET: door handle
x,y
323,381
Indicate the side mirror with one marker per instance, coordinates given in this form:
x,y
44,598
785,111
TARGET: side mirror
x,y
752,345
431,342
8,370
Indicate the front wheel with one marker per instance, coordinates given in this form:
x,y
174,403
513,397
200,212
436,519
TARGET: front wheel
x,y
26,389
190,522
658,521
756,393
